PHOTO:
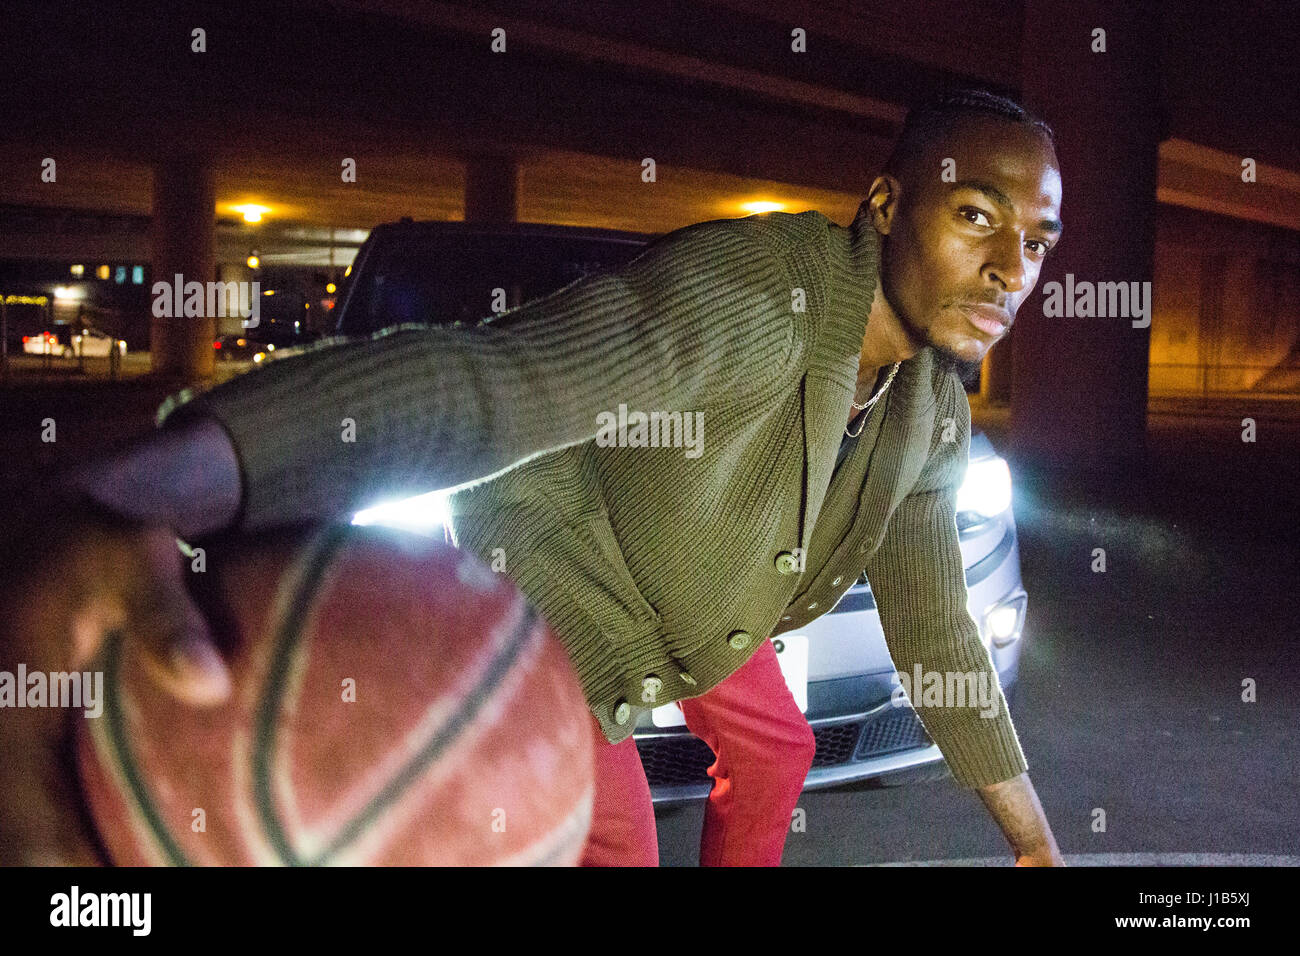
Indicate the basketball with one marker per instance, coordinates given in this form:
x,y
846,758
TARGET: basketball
x,y
394,703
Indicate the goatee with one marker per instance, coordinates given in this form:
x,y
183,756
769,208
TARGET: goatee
x,y
967,370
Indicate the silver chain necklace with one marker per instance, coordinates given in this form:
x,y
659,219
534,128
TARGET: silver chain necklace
x,y
870,402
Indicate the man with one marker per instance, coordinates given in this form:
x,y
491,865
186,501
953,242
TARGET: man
x,y
664,573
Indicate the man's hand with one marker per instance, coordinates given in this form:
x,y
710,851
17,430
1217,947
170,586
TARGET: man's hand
x,y
114,562
1045,860
107,573
1014,805
76,572
91,551
71,575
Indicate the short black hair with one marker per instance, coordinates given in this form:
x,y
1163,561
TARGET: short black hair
x,y
935,118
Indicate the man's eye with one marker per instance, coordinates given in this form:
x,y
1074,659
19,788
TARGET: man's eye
x,y
1043,248
975,217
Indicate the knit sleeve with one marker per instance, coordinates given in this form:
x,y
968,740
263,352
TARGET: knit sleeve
x,y
701,314
919,583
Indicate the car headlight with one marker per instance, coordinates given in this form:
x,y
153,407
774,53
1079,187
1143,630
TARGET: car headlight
x,y
987,488
423,514
1004,622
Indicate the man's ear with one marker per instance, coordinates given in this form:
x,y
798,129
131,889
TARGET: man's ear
x,y
882,200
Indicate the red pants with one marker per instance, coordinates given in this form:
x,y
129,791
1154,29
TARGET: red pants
x,y
764,748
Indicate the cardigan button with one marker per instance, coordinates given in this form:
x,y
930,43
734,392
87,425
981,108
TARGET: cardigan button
x,y
837,580
739,640
786,563
622,713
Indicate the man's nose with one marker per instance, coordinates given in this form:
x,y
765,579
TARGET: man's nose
x,y
1006,267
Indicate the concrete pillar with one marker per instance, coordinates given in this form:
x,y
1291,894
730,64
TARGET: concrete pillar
x,y
491,188
1079,396
184,225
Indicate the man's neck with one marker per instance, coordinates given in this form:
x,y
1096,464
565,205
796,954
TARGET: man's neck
x,y
887,340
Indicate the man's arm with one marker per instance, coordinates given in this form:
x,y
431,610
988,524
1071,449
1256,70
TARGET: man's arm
x,y
701,315
918,580
184,477
1014,805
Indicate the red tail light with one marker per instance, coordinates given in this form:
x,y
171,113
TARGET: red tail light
x,y
217,344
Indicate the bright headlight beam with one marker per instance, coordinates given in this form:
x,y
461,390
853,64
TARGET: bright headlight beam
x,y
987,488
1002,621
424,514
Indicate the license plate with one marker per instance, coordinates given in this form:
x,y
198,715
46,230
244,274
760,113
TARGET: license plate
x,y
791,654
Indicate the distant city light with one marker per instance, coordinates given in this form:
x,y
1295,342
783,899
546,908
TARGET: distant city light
x,y
762,206
78,270
254,262
252,212
67,293
331,288
137,275
102,272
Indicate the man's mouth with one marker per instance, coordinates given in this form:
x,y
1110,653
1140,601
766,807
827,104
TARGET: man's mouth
x,y
989,319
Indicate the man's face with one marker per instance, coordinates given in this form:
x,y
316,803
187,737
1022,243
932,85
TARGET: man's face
x,y
960,257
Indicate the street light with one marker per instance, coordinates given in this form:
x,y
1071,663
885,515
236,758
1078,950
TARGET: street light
x,y
252,212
